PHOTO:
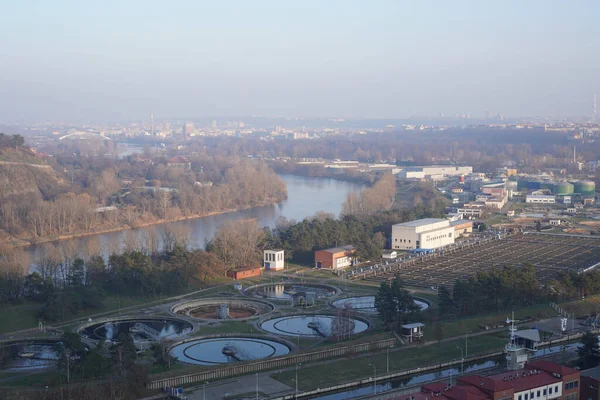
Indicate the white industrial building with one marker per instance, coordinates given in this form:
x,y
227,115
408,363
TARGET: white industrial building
x,y
428,233
540,199
434,172
274,260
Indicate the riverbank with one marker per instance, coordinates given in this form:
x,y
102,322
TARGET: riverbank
x,y
21,243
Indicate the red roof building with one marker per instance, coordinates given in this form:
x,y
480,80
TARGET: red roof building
x,y
539,380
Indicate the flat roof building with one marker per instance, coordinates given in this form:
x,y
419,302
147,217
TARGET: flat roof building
x,y
273,260
243,272
540,199
427,233
335,257
434,172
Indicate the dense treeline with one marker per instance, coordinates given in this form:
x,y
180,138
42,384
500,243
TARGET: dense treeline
x,y
486,148
372,200
14,141
509,288
65,286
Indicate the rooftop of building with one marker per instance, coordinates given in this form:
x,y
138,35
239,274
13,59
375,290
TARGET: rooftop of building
x,y
245,268
413,325
529,334
461,222
592,373
551,367
339,249
526,379
421,222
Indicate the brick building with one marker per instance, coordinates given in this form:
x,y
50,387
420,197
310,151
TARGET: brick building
x,y
335,258
243,272
539,380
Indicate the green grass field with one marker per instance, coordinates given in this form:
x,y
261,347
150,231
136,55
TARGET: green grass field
x,y
333,372
459,327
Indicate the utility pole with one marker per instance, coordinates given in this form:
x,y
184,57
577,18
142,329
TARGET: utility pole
x,y
257,386
387,359
462,360
297,379
374,379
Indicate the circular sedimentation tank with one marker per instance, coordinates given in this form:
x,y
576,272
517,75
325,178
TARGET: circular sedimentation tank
x,y
223,350
366,304
215,308
564,188
142,329
30,355
318,325
290,291
587,188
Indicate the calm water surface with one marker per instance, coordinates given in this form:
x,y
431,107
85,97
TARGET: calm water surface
x,y
306,197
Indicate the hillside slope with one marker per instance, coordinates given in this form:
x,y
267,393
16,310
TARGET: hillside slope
x,y
23,173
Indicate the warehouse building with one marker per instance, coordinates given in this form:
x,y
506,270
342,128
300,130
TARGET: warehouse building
x,y
540,199
428,233
434,172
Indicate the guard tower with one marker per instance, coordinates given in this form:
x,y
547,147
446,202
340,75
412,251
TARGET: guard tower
x,y
521,343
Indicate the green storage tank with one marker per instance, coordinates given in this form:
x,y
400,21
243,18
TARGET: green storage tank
x,y
522,184
587,188
564,188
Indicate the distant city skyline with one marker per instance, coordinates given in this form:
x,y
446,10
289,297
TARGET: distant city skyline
x,y
116,61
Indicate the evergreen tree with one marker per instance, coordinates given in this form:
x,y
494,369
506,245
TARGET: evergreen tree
x,y
589,353
396,306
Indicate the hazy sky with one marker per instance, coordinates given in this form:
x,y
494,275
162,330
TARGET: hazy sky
x,y
110,60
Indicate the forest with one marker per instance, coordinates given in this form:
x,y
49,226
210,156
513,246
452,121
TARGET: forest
x,y
82,193
65,286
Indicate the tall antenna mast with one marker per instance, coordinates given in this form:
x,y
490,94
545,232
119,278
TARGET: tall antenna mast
x,y
152,123
594,109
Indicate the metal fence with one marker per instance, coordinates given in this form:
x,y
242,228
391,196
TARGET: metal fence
x,y
273,363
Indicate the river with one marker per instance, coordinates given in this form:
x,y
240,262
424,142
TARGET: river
x,y
306,196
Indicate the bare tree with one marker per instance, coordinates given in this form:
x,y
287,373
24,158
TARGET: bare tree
x,y
239,243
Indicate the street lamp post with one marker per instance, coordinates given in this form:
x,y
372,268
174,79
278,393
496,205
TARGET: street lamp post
x,y
257,386
297,379
374,378
462,359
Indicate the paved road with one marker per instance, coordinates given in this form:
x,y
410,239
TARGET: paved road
x,y
244,385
